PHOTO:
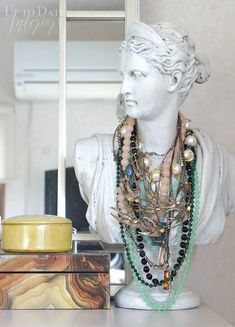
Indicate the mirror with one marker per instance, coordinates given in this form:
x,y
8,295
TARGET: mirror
x,y
29,98
28,126
29,61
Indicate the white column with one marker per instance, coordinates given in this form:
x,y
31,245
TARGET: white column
x,y
132,12
62,112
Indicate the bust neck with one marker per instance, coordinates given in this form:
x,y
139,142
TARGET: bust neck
x,y
159,134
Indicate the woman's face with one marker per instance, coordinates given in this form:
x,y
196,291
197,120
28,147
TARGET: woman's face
x,y
144,88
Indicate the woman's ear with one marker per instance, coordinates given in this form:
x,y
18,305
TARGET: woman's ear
x,y
175,81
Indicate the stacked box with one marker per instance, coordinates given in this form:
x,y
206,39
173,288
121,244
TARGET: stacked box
x,y
54,281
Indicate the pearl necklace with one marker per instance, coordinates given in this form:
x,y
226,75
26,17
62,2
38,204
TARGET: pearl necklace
x,y
155,215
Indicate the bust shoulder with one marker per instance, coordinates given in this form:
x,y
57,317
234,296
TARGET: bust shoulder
x,y
91,154
88,151
89,148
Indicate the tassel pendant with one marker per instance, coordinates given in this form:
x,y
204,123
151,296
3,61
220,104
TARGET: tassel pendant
x,y
167,280
163,256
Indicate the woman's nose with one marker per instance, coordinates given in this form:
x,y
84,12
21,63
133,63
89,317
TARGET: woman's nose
x,y
126,86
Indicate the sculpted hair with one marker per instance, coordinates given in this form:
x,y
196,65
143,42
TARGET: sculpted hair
x,y
179,54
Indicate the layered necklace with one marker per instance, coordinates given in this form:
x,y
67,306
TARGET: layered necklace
x,y
154,205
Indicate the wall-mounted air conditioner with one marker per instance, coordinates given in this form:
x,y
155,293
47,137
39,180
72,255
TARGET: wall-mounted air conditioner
x,y
91,70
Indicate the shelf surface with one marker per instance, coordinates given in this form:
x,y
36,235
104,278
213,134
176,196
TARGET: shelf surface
x,y
115,317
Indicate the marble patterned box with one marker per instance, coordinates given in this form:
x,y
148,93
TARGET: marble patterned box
x,y
54,281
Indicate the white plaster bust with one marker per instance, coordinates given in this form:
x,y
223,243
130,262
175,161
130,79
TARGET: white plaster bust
x,y
159,66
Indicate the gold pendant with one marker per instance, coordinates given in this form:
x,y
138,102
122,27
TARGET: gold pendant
x,y
167,280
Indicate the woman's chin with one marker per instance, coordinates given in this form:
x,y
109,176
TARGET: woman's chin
x,y
133,112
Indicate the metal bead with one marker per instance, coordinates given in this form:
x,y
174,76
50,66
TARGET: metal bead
x,y
191,140
153,186
188,124
176,169
140,145
155,175
147,161
188,155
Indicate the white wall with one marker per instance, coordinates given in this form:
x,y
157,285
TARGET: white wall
x,y
211,106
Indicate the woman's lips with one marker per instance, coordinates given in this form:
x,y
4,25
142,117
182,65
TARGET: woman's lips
x,y
131,102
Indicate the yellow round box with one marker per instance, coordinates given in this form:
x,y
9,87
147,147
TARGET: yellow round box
x,y
35,233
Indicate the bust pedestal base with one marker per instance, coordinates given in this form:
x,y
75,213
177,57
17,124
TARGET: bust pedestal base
x,y
128,297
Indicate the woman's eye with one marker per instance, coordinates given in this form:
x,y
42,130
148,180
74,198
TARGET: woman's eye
x,y
137,75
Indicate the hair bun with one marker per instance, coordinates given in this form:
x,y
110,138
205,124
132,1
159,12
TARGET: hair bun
x,y
203,69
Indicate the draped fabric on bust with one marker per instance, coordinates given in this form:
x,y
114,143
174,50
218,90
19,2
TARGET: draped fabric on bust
x,y
97,182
